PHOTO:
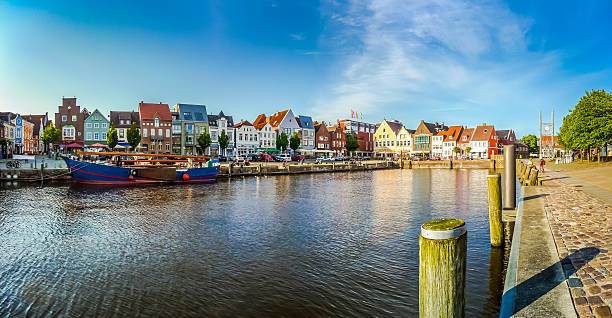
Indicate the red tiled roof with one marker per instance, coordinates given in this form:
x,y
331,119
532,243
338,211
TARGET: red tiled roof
x,y
453,133
260,121
395,126
468,132
483,133
277,118
243,123
147,111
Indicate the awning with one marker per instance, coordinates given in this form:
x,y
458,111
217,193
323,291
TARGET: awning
x,y
267,149
97,146
76,144
123,144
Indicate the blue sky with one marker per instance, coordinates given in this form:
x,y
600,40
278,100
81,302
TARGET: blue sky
x,y
456,62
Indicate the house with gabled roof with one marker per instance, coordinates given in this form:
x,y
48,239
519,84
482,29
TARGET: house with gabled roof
x,y
155,127
322,137
189,122
450,141
464,141
307,134
422,138
40,123
437,142
96,127
337,139
217,124
246,138
484,142
505,137
403,142
267,135
284,121
385,137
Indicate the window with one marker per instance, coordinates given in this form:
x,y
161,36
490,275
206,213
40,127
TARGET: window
x,y
168,146
189,128
121,133
74,117
127,121
144,132
167,133
157,122
96,125
103,137
176,129
187,116
160,132
88,125
64,117
103,125
88,136
96,136
121,122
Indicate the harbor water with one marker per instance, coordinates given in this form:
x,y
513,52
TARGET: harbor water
x,y
318,245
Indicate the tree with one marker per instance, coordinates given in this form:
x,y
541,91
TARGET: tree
x,y
352,143
111,137
532,143
589,125
281,141
295,141
457,150
133,136
468,150
204,141
51,135
223,141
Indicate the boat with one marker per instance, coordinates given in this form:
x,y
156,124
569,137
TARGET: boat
x,y
149,169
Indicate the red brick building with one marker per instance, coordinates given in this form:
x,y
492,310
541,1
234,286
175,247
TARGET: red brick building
x,y
155,128
70,121
337,140
321,138
364,132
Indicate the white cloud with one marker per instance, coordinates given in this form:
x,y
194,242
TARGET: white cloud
x,y
298,37
402,57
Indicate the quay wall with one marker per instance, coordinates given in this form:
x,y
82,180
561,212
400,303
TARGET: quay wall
x,y
456,164
258,169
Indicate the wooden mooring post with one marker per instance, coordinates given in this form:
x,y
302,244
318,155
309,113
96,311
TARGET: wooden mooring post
x,y
442,268
495,210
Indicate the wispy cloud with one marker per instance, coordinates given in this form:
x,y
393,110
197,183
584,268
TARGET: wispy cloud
x,y
413,58
296,36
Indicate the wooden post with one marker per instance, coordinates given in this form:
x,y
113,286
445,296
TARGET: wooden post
x,y
495,210
509,177
533,177
410,164
451,163
442,268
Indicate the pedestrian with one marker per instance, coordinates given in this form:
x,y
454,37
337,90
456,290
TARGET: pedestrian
x,y
542,164
529,163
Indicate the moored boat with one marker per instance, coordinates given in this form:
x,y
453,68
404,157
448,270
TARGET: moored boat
x,y
181,170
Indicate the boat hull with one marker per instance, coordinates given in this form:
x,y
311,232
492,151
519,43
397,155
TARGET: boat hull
x,y
88,172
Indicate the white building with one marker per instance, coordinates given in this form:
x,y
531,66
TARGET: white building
x,y
450,142
267,135
246,138
437,142
218,124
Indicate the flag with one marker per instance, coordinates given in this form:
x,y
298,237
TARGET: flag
x,y
352,113
356,116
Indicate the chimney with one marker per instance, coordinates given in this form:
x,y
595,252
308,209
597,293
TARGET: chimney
x,y
484,124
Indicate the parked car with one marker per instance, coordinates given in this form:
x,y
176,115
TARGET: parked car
x,y
265,157
297,158
282,157
323,158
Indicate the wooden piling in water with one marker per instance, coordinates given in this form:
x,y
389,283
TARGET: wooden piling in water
x,y
495,210
442,268
533,177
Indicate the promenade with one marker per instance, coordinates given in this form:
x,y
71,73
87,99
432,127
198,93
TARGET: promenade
x,y
565,249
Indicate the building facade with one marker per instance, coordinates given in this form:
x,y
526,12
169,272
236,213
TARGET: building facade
x,y
189,123
504,137
284,121
122,121
437,143
267,135
322,139
155,128
96,127
484,142
385,137
365,135
422,138
337,140
450,142
246,138
40,123
217,124
307,142
70,120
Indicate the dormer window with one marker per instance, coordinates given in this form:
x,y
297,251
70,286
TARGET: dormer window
x,y
485,130
156,122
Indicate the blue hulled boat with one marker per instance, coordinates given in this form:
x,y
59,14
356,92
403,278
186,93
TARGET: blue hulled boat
x,y
89,172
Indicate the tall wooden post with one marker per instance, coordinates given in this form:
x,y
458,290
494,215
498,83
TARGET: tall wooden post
x,y
495,210
510,177
442,268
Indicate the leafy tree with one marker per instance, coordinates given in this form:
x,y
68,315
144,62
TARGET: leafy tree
x,y
352,143
294,141
223,141
204,141
281,141
532,143
51,135
111,137
457,150
468,150
589,125
133,136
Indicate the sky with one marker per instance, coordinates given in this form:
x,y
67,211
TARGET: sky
x,y
457,62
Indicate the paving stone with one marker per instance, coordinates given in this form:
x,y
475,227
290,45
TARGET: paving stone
x,y
602,312
594,290
595,300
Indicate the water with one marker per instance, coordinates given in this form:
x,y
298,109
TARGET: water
x,y
342,244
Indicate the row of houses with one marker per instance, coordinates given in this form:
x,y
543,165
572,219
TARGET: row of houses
x,y
436,140
175,129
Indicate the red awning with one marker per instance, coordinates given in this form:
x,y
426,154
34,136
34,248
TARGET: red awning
x,y
73,144
97,146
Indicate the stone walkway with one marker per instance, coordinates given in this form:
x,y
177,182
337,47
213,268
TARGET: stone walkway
x,y
582,229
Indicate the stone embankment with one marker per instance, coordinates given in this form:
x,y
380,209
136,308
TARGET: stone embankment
x,y
261,169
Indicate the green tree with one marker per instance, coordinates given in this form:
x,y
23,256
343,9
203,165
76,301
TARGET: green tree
x,y
352,143
223,141
589,124
111,137
204,141
532,143
133,136
51,135
468,150
456,150
295,141
282,141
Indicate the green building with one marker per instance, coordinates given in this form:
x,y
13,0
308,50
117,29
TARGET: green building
x,y
96,127
188,123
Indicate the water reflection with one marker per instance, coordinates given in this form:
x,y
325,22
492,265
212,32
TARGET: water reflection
x,y
341,244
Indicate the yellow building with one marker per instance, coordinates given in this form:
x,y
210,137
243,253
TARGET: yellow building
x,y
391,138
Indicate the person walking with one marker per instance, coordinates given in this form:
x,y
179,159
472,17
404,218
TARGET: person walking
x,y
542,164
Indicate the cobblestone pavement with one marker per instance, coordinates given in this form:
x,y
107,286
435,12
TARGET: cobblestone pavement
x,y
580,221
